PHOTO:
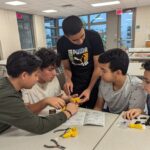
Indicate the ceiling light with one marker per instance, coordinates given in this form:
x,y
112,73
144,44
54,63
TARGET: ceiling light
x,y
105,3
49,11
15,3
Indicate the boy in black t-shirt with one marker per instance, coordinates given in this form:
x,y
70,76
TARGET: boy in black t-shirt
x,y
79,50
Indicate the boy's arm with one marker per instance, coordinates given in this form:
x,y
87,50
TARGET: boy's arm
x,y
68,86
96,74
56,102
99,104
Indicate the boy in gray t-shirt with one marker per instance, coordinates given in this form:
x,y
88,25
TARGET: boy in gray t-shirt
x,y
132,113
118,90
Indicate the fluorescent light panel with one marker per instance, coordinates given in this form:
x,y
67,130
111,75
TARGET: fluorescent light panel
x,y
15,3
49,11
105,4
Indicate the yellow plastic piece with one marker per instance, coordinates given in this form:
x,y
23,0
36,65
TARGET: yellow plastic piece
x,y
136,126
70,133
64,108
75,99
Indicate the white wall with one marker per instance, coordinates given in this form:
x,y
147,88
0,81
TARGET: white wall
x,y
9,35
143,21
39,31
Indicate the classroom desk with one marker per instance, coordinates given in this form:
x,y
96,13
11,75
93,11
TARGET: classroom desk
x,y
124,138
135,69
2,68
88,137
139,58
3,62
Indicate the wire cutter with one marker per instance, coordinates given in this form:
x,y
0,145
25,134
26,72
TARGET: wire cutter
x,y
56,145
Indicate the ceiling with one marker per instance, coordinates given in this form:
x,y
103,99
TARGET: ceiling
x,y
80,7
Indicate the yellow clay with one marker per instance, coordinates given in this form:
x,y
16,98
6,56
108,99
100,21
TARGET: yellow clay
x,y
136,126
75,99
63,109
70,133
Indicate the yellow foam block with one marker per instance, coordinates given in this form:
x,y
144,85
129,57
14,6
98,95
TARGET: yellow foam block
x,y
75,99
136,126
70,133
64,108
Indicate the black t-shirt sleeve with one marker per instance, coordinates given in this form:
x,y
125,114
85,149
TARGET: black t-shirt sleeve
x,y
96,42
63,52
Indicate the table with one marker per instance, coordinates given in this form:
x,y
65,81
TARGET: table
x,y
88,137
3,68
3,62
135,69
124,138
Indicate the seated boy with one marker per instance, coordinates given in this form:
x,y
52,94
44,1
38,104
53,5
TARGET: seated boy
x,y
136,111
48,85
118,90
22,69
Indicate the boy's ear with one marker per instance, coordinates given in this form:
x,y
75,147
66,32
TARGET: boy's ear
x,y
119,72
24,75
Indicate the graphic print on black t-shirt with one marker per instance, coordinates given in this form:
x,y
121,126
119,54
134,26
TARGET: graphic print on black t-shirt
x,y
79,56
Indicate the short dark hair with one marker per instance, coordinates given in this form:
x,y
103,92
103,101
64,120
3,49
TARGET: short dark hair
x,y
72,25
22,61
117,59
146,65
49,57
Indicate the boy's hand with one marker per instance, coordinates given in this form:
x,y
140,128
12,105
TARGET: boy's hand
x,y
132,113
68,87
85,95
56,102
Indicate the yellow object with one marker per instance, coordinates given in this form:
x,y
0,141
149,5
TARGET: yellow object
x,y
64,108
72,132
136,126
75,99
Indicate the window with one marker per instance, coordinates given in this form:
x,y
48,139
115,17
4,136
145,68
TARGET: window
x,y
25,27
126,29
98,18
51,32
98,23
60,30
101,29
95,22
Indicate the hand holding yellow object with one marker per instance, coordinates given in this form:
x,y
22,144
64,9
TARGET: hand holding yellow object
x,y
136,126
72,132
75,100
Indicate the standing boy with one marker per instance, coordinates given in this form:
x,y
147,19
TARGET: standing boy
x,y
79,49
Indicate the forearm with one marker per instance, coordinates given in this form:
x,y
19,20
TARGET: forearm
x,y
37,107
99,104
68,74
94,78
40,125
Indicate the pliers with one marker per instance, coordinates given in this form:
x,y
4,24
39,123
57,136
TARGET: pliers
x,y
55,146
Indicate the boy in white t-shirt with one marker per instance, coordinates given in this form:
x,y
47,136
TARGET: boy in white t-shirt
x,y
118,90
48,85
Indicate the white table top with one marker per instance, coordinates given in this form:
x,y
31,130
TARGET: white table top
x,y
135,69
124,138
88,137
3,62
